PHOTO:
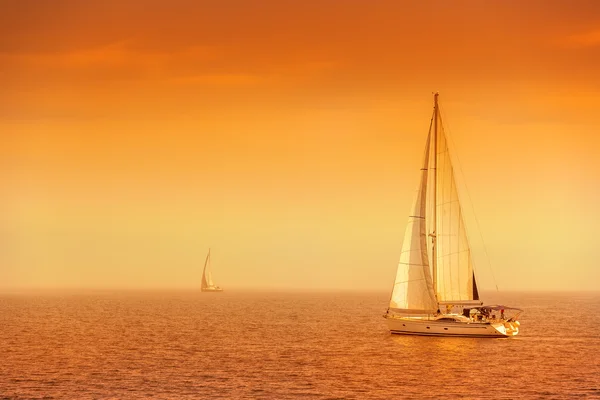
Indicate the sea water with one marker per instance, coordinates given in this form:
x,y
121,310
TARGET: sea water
x,y
277,345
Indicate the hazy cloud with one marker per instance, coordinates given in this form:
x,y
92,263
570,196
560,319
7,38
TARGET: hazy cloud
x,y
587,39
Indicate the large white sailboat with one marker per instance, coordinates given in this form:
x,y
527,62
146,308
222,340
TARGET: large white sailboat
x,y
207,282
435,292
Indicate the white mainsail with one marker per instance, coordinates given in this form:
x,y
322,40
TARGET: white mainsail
x,y
455,279
435,263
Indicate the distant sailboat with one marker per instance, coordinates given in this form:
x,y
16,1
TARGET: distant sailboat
x,y
207,282
435,269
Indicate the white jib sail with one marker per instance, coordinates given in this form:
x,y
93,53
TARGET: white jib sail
x,y
413,289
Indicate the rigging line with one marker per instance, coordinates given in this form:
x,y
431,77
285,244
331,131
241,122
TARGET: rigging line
x,y
454,253
489,262
410,280
409,264
447,202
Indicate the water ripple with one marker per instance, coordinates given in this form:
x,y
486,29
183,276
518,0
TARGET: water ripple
x,y
282,346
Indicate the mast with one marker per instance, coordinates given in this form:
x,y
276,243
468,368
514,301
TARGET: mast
x,y
433,234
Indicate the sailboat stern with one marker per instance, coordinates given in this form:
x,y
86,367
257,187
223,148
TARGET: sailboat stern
x,y
507,328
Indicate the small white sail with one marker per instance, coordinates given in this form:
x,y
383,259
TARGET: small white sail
x,y
209,280
207,284
206,274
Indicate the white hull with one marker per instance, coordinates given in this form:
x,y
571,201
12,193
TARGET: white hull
x,y
429,327
211,289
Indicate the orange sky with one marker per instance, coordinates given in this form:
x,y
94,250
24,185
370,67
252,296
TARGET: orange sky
x,y
288,136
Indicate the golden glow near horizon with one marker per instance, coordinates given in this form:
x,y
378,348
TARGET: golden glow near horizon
x,y
288,137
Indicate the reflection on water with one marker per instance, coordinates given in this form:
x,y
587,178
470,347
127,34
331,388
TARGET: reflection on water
x,y
275,345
